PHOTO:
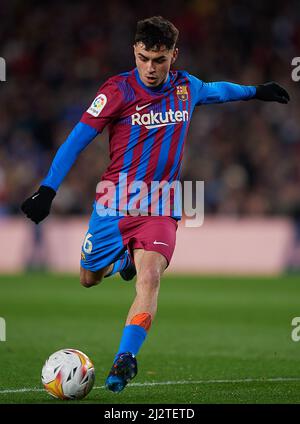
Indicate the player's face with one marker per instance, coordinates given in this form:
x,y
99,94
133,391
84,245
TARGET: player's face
x,y
154,65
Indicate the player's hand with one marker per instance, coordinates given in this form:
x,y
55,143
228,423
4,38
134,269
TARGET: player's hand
x,y
272,92
37,206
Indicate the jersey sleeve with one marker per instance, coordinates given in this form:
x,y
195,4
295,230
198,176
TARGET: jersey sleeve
x,y
105,107
219,92
67,154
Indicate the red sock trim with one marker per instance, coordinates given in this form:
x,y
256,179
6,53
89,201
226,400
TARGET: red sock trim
x,y
143,320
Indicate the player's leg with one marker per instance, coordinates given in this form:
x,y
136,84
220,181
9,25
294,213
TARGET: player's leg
x,y
151,240
124,266
101,249
150,267
91,278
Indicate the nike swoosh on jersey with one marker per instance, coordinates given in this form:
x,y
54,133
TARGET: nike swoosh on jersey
x,y
160,242
142,107
36,195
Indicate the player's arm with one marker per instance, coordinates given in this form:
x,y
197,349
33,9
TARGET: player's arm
x,y
104,108
222,91
37,206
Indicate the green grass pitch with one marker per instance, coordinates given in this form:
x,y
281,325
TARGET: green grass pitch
x,y
214,340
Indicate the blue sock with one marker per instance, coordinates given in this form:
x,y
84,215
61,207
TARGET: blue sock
x,y
132,339
120,264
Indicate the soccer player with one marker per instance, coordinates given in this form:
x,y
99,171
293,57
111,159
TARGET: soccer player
x,y
148,111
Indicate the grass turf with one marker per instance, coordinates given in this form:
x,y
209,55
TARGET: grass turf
x,y
207,329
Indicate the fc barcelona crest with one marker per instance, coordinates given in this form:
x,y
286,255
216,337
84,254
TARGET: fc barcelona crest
x,y
182,92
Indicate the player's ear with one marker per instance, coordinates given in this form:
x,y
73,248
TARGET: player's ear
x,y
175,55
134,51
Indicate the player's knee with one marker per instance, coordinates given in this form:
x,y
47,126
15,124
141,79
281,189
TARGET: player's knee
x,y
89,280
150,278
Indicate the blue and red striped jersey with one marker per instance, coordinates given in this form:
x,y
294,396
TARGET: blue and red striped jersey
x,y
147,128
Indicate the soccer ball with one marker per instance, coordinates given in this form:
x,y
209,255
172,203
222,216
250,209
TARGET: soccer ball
x,y
68,374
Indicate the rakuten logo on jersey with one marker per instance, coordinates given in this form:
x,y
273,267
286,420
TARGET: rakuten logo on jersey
x,y
159,119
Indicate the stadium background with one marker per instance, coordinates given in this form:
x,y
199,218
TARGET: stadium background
x,y
58,55
218,339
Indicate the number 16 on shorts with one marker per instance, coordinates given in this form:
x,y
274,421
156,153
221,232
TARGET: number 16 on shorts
x,y
87,244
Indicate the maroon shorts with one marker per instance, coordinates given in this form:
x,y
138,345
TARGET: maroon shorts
x,y
152,233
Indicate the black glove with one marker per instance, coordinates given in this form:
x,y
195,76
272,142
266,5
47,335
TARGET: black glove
x,y
37,206
272,92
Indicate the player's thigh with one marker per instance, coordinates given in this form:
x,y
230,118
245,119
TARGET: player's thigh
x,y
146,260
150,266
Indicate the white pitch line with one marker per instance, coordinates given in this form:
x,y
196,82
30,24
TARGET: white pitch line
x,y
170,383
245,380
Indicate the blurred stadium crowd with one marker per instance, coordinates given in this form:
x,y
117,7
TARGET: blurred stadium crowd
x,y
58,53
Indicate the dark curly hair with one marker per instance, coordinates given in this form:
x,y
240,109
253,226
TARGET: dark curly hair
x,y
155,32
